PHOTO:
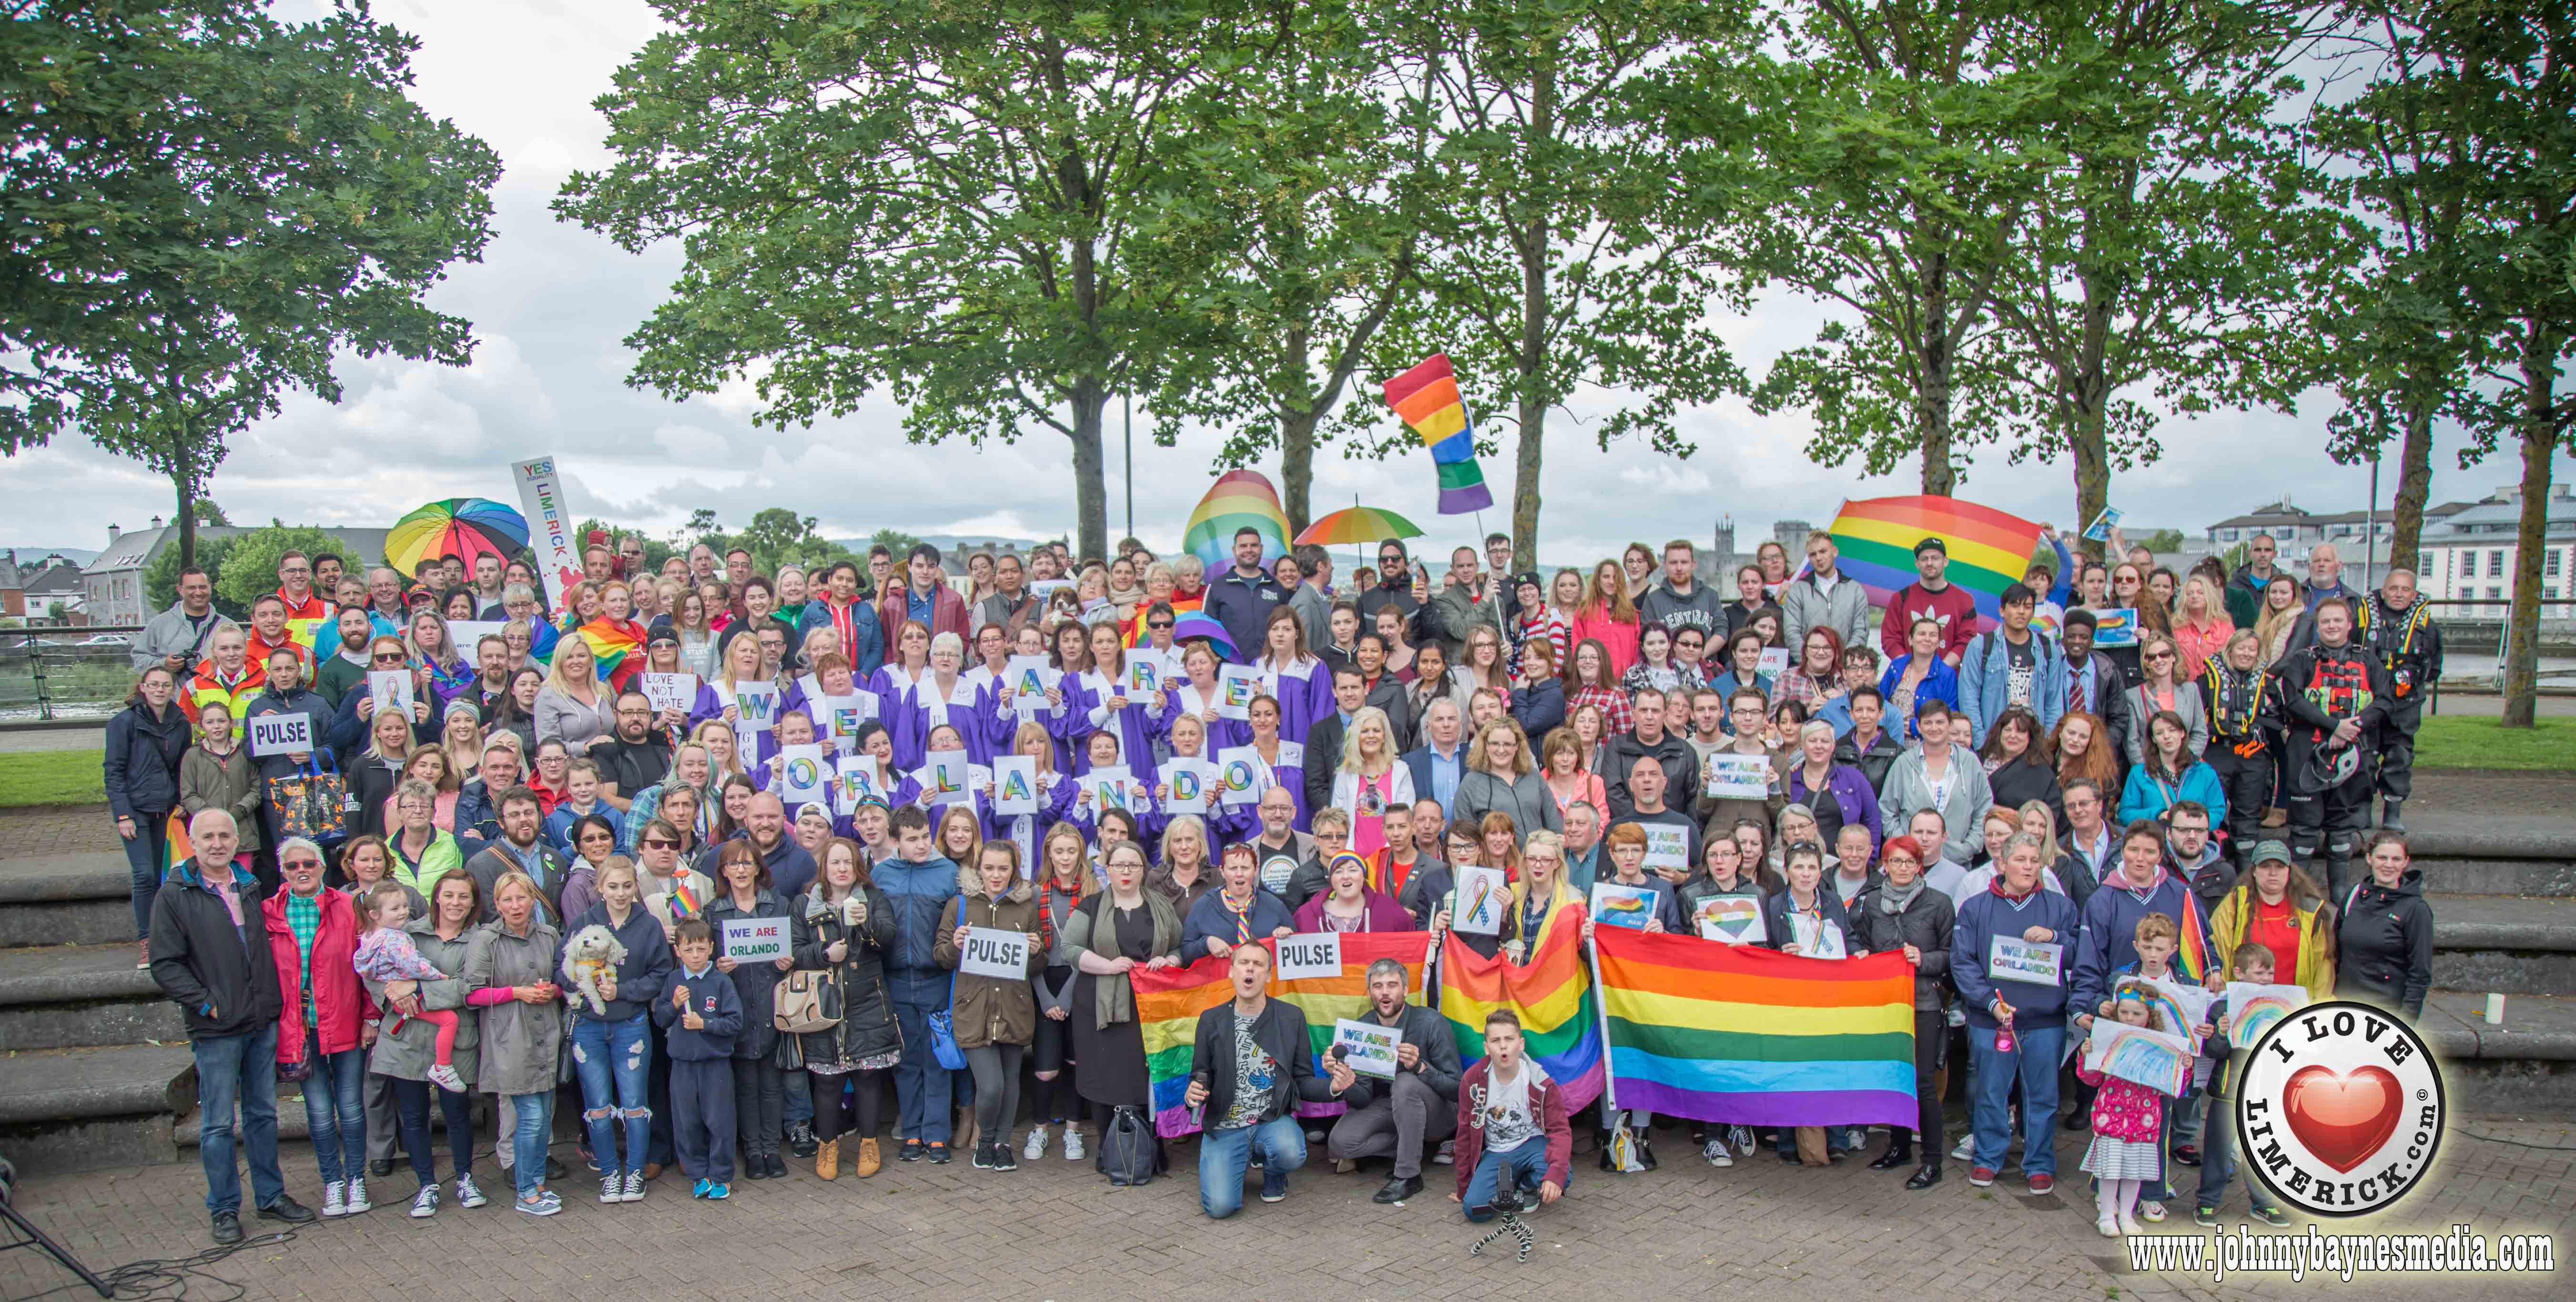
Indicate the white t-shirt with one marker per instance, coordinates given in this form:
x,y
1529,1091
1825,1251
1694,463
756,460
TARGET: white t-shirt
x,y
1508,1123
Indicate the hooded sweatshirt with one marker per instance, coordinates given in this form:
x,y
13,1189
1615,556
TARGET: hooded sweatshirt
x,y
1995,913
2111,917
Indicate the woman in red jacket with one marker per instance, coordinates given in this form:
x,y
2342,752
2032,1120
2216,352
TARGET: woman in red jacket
x,y
326,1022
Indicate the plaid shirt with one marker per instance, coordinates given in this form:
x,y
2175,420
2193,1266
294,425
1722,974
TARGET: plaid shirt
x,y
304,918
1616,716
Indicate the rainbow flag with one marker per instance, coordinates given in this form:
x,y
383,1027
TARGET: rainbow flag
x,y
1168,1004
1427,398
1750,1036
1553,995
1989,550
1240,498
2192,953
610,647
684,902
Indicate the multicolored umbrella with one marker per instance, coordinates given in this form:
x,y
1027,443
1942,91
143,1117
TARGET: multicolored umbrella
x,y
1358,524
1200,624
1240,499
471,527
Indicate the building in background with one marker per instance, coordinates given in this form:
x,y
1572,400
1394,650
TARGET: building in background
x,y
112,585
2470,555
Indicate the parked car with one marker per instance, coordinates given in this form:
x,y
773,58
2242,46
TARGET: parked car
x,y
106,639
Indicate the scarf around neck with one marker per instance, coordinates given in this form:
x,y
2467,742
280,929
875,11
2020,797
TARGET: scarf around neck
x,y
1893,899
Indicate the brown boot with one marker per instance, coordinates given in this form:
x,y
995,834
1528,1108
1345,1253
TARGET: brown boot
x,y
868,1160
827,1160
963,1138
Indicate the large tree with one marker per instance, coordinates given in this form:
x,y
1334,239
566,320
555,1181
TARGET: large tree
x,y
2488,106
1292,215
2173,256
1550,259
1878,162
933,199
201,205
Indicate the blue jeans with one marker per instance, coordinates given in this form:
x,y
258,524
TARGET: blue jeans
x,y
613,1060
920,1083
1528,1164
143,863
2218,1160
1224,1155
535,1114
335,1108
2033,1062
799,1099
238,1071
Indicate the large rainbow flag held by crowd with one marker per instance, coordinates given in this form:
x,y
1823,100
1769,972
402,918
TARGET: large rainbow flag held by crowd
x,y
1168,1004
1750,1036
1239,498
1553,995
1989,550
1427,398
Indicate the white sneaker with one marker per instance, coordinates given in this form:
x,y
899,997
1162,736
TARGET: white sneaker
x,y
634,1190
2107,1228
467,1195
1073,1144
425,1203
333,1203
1967,1148
612,1188
356,1201
445,1077
2152,1213
1036,1147
1715,1151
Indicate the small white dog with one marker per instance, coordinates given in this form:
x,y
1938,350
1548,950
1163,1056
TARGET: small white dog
x,y
594,953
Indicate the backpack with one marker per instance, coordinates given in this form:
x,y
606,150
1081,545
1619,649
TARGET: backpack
x,y
1128,1149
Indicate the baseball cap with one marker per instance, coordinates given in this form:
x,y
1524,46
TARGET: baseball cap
x,y
1931,545
2272,852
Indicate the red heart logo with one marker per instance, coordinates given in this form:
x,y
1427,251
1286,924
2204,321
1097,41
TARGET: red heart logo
x,y
2343,1118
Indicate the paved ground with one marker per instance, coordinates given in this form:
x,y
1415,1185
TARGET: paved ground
x,y
1059,1231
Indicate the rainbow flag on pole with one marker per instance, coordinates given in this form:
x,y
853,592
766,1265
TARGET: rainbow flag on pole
x,y
1553,995
1989,550
1427,398
1750,1036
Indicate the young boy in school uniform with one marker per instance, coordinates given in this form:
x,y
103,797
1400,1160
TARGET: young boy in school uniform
x,y
702,1016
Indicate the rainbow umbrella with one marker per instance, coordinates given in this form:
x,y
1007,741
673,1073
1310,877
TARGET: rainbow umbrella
x,y
471,527
1240,499
1358,524
1200,624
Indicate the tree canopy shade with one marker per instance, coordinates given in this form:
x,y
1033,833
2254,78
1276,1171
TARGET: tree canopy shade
x,y
936,198
1880,161
2483,127
200,205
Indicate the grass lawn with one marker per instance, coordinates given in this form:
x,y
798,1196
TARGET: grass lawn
x,y
51,777
2459,742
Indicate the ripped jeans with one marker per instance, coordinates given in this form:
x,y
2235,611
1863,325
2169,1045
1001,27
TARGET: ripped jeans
x,y
613,1059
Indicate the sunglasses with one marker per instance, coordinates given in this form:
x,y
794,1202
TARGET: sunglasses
x,y
1390,559
659,843
1158,624
390,659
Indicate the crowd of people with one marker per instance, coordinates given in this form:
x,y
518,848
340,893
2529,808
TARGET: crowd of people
x,y
526,884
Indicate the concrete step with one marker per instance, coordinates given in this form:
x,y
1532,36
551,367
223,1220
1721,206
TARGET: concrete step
x,y
86,1109
81,996
2438,834
66,899
2515,945
2500,876
2527,1066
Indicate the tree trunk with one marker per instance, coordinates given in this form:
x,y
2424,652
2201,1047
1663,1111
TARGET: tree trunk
x,y
2531,542
182,475
1297,466
1932,400
1532,361
1090,402
2414,489
2086,441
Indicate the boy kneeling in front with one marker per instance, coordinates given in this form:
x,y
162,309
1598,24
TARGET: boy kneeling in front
x,y
1510,1114
1251,1055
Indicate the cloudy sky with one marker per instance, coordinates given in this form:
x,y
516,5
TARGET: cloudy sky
x,y
550,303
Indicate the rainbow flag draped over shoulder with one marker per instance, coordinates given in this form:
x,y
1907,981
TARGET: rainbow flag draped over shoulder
x,y
1428,400
1322,999
1553,995
1989,550
1750,1036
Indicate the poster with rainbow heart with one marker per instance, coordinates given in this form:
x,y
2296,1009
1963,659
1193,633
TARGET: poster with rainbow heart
x,y
2253,1008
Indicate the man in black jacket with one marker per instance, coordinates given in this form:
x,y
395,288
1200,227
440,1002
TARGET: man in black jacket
x,y
2400,632
1420,1105
210,956
1324,740
2334,698
2093,683
1249,1065
1680,763
636,758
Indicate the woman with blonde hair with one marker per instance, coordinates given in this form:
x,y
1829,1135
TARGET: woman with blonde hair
x,y
1608,617
1539,897
432,648
1369,780
2201,627
461,735
1186,872
1501,775
2162,689
575,707
2284,601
